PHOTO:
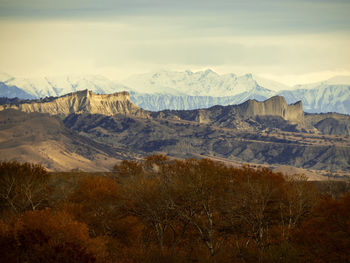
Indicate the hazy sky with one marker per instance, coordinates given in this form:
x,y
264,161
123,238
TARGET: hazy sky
x,y
292,41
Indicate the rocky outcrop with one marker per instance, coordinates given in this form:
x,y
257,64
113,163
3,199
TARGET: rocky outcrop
x,y
83,102
251,115
232,116
275,106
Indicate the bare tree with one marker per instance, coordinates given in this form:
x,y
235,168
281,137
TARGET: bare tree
x,y
198,192
252,204
297,203
23,186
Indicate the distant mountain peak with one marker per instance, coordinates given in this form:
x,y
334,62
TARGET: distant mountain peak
x,y
340,80
249,76
209,71
200,83
4,77
59,85
166,89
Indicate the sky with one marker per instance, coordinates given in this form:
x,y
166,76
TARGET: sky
x,y
291,41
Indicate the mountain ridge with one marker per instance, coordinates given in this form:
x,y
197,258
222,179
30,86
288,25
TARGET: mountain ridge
x,y
191,90
249,115
267,132
119,103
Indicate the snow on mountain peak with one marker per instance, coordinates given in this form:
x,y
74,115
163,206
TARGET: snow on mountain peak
x,y
60,85
334,81
4,77
339,80
248,76
188,90
209,71
200,83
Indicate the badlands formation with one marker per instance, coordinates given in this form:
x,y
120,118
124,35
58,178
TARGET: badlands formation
x,y
99,130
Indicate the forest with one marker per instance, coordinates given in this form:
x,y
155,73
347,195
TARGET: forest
x,y
167,210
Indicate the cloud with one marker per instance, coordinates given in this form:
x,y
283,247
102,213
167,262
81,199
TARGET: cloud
x,y
123,37
59,44
258,16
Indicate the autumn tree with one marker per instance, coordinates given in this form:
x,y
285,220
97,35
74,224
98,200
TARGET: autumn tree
x,y
147,197
99,202
96,204
297,203
168,210
197,193
325,236
128,168
23,186
49,236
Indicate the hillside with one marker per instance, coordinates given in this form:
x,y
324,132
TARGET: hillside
x,y
40,138
182,139
111,127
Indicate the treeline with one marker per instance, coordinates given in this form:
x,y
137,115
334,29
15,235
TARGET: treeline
x,y
163,210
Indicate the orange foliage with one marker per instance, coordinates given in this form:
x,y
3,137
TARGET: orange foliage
x,y
48,236
166,210
325,237
128,169
96,202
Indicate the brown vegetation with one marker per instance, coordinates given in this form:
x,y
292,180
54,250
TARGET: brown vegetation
x,y
163,210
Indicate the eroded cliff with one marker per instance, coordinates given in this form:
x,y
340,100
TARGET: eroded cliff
x,y
83,102
275,106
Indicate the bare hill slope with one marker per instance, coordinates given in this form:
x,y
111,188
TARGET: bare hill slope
x,y
40,138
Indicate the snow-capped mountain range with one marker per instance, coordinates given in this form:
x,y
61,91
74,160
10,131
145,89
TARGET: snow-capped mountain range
x,y
188,90
201,83
60,85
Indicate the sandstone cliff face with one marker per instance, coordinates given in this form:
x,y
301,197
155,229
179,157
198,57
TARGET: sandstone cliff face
x,y
251,115
119,103
275,106
84,102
